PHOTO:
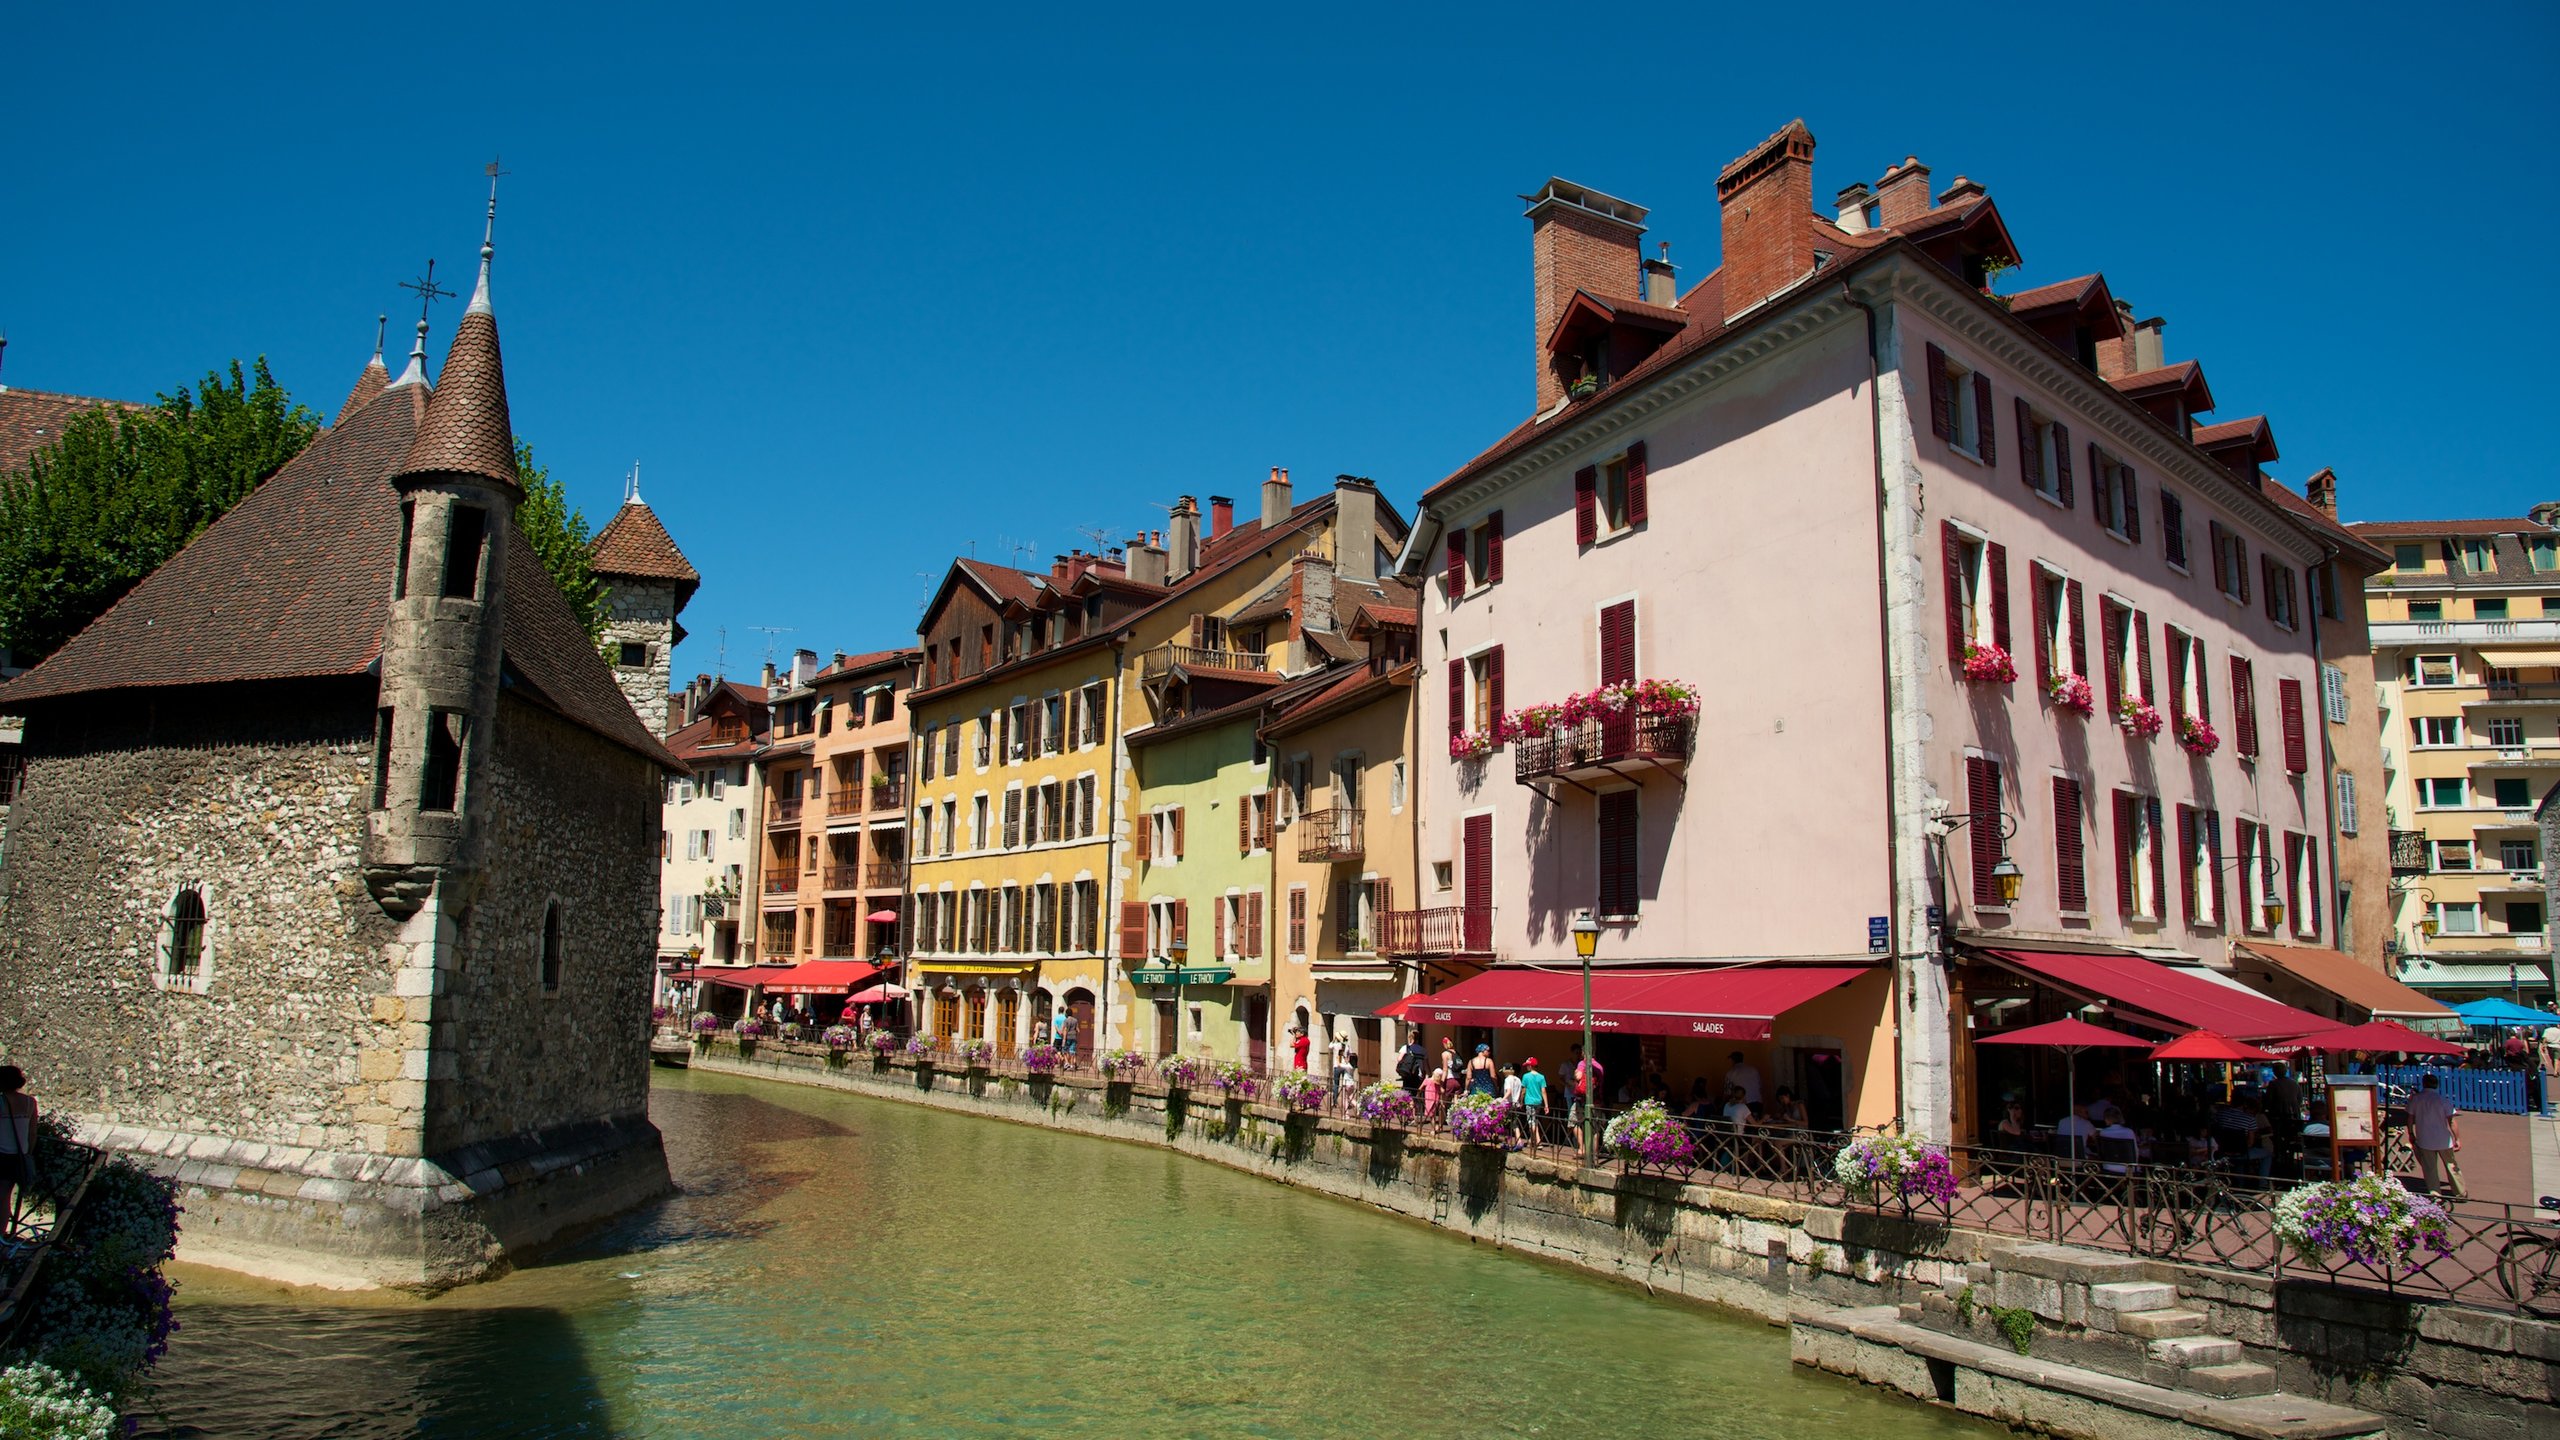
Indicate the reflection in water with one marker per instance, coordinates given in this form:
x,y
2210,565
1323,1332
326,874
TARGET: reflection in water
x,y
840,1265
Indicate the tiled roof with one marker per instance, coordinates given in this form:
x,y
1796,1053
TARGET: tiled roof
x,y
2074,293
369,383
32,419
2413,529
466,430
1359,685
2321,523
293,583
2167,377
633,543
1392,617
1003,582
873,660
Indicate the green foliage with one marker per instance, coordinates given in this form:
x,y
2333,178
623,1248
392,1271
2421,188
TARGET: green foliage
x,y
38,1402
559,535
1966,1305
119,491
2019,1325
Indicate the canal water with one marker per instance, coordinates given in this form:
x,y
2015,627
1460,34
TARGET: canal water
x,y
841,1265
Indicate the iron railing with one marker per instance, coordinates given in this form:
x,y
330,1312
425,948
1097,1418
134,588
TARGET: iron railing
x,y
882,875
842,877
846,801
782,882
1447,930
1325,835
1164,658
892,796
1618,739
784,812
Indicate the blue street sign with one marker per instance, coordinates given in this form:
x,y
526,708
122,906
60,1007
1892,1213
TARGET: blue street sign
x,y
1877,932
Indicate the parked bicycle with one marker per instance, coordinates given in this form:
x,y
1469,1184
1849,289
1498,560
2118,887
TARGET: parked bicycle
x,y
2529,1261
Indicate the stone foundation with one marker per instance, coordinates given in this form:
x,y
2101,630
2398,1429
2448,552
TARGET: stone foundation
x,y
348,1221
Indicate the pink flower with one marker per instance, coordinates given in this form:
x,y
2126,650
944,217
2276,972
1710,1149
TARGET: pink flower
x,y
1989,665
2072,692
2196,737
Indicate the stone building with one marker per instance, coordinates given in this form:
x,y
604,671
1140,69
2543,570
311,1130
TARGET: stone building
x,y
647,582
330,881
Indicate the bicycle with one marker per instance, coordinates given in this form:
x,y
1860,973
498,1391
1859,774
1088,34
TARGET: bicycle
x,y
2529,1261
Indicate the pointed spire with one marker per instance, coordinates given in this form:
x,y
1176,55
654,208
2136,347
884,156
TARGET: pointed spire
x,y
416,374
467,430
488,234
631,486
381,323
373,381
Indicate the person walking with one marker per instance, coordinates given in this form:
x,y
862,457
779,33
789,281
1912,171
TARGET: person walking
x,y
1067,1033
2435,1129
1345,1060
1515,1095
1587,1078
1410,1065
17,1145
1449,1055
1533,1099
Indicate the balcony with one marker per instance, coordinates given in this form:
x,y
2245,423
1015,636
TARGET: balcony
x,y
2462,632
841,877
883,875
843,802
2499,693
2538,755
2512,884
1447,930
1164,659
1325,835
891,795
2408,852
784,815
1621,748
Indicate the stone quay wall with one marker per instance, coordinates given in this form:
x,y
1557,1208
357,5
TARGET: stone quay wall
x,y
2428,1369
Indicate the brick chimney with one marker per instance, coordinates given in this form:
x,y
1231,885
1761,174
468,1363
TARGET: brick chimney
x,y
2322,491
1182,552
1903,194
1276,504
1579,239
1767,199
1222,515
1661,282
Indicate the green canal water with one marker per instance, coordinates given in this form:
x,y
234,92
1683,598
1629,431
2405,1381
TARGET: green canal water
x,y
840,1265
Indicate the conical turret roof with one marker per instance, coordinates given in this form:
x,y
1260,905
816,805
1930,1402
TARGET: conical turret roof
x,y
467,431
372,382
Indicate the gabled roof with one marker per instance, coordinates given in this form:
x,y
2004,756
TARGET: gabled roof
x,y
1346,690
846,666
2417,529
294,583
2253,433
2074,294
370,381
2321,523
2186,377
635,544
32,419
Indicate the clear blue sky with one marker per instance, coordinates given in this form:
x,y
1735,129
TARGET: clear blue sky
x,y
858,293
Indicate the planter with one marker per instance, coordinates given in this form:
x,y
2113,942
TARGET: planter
x,y
1584,388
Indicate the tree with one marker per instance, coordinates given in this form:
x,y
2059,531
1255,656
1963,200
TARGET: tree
x,y
122,488
560,536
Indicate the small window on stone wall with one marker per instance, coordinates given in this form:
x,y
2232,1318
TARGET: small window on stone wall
x,y
440,779
551,948
467,532
382,757
634,654
182,933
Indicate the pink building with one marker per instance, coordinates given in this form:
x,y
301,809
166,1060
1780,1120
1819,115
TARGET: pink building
x,y
1810,488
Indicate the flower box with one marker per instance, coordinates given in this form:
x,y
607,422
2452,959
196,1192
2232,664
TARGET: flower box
x,y
1299,1091
1872,1167
919,1047
1473,744
1647,1135
2196,737
1233,1079
839,1038
1388,1107
2138,718
2072,693
2371,1221
1181,1072
1480,1119
1043,1060
973,1054
1989,665
1120,1065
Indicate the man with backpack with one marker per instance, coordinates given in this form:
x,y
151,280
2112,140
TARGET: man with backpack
x,y
1409,1063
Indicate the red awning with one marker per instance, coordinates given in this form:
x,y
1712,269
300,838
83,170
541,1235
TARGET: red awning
x,y
739,976
1737,1002
2162,995
819,977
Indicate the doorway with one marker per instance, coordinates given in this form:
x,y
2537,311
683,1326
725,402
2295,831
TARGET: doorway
x,y
1257,1031
1080,1010
1042,1008
1826,1086
1477,861
946,1016
977,1022
1008,1019
1364,1039
1168,1027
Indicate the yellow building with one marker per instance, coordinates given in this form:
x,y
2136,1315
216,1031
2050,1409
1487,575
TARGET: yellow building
x,y
2466,638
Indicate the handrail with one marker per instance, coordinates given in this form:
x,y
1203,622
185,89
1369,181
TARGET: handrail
x,y
1662,739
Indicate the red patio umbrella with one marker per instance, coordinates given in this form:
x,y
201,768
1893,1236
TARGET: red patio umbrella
x,y
2070,1037
882,917
2205,1045
876,994
2382,1035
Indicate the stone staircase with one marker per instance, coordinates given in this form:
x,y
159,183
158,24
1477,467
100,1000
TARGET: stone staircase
x,y
2111,1352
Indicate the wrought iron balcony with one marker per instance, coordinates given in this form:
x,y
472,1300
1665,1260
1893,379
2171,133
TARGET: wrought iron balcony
x,y
1165,658
782,882
1447,930
890,796
1329,835
2408,852
882,875
845,801
1624,746
784,813
842,877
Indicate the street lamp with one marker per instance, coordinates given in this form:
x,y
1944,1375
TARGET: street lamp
x,y
1586,943
1178,952
2006,878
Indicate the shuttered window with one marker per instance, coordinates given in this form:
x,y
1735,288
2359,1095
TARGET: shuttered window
x,y
2297,751
2346,802
1493,548
2070,851
2244,706
1618,853
1586,505
2333,694
1982,801
1298,920
1618,644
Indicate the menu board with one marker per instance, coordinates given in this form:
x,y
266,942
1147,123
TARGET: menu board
x,y
2351,1116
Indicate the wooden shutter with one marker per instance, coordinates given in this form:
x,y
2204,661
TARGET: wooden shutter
x,y
1982,799
1253,923
1457,576
2244,707
2062,463
1182,922
2240,566
1618,852
1493,689
1586,505
2159,848
2177,642
2043,621
1177,830
2213,858
2204,680
1298,921
2221,554
2297,755
1986,430
1012,818
2132,503
2108,611
1477,842
1457,698
1146,836
2124,854
2142,645
1244,825
2187,863
2070,858
1951,541
1996,558
1637,471
1133,929
2030,460
1493,548
2079,631
1618,644
1942,409
1218,927
2102,489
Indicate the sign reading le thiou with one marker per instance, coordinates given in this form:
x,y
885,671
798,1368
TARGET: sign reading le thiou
x,y
1722,1027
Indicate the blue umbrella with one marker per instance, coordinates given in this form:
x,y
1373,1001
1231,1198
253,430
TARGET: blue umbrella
x,y
2486,1014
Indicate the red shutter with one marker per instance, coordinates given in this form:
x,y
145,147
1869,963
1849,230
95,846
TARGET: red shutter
x,y
2043,623
1636,473
1253,923
1997,558
2142,644
2124,855
2108,610
1618,644
1457,576
1476,841
1493,548
2213,536
2079,631
2297,756
1942,410
1986,429
2030,461
1493,688
2244,706
2159,848
1182,922
2187,863
1952,541
2132,503
2070,859
2062,463
2213,856
1457,698
1586,504
1177,830
1982,798
2102,489
1133,930
2204,680
1618,853
2177,639
2267,573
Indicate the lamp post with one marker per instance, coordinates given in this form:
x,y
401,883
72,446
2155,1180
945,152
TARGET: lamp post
x,y
1586,943
1178,952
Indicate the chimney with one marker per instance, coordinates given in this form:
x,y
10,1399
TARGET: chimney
x,y
1903,194
1222,515
1767,199
1661,282
769,677
2148,352
1310,608
1579,239
2322,491
1058,568
1275,499
1355,530
2116,356
804,668
1962,192
1851,206
1182,553
1147,563
2546,513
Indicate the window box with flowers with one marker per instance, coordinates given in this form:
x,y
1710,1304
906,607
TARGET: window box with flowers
x,y
1644,720
1473,744
1989,665
2197,737
2072,693
2138,717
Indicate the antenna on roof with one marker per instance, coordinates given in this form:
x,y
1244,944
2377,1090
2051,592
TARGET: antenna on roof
x,y
770,632
720,667
1102,536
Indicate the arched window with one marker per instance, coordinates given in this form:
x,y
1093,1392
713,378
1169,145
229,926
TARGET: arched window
x,y
182,937
551,948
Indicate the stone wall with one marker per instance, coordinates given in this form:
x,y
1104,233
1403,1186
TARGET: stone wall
x,y
642,612
124,803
